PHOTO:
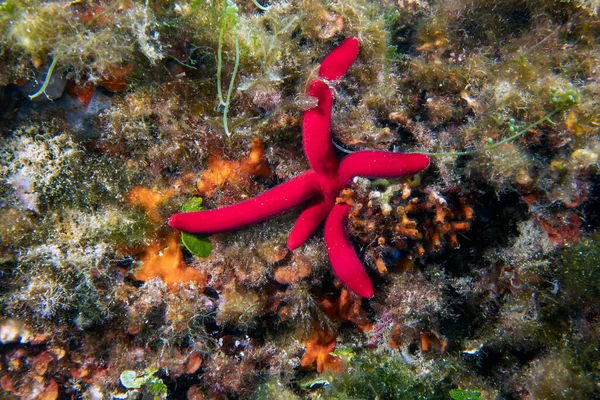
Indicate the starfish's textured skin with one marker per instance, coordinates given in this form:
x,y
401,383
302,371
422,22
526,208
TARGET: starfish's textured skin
x,y
319,186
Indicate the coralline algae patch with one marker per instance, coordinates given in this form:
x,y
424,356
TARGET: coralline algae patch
x,y
484,267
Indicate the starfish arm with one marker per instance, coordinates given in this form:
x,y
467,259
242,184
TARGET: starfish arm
x,y
309,221
337,63
315,131
380,164
283,197
343,258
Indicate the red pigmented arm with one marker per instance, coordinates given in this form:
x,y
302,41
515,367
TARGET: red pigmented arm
x,y
308,222
317,121
380,164
281,198
337,63
343,258
315,131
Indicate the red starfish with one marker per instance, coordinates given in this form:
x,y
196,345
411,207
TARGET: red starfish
x,y
321,185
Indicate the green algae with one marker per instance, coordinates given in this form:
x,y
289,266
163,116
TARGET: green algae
x,y
198,245
147,380
581,268
380,376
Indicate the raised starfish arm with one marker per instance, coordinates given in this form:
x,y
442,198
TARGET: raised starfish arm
x,y
337,63
317,121
343,258
315,131
283,197
309,221
380,164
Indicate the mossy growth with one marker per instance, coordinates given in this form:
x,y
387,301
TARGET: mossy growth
x,y
91,38
581,267
238,306
44,166
380,376
109,225
273,390
464,394
564,374
53,283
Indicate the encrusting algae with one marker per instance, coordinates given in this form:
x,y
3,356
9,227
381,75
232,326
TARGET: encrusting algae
x,y
115,115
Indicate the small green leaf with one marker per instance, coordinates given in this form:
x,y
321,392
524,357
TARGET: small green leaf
x,y
346,353
130,380
8,7
464,394
195,204
157,387
198,245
